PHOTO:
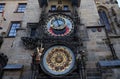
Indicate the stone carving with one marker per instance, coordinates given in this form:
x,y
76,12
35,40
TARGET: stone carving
x,y
3,60
39,53
30,43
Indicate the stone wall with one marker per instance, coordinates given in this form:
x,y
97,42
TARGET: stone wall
x,y
88,12
32,13
89,15
10,14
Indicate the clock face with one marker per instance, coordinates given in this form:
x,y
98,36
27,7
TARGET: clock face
x,y
59,25
58,60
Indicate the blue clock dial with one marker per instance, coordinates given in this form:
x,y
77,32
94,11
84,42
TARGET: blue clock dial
x,y
59,25
57,22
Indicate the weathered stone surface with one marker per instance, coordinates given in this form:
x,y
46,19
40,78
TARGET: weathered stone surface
x,y
93,42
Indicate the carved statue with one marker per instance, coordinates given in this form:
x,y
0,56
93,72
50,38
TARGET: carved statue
x,y
39,53
59,8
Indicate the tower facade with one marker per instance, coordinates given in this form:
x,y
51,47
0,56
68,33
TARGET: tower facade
x,y
61,38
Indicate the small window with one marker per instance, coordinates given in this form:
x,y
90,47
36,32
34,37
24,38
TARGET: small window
x,y
14,26
2,5
104,19
33,32
66,7
53,7
21,7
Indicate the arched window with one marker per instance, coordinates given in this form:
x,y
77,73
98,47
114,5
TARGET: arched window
x,y
104,19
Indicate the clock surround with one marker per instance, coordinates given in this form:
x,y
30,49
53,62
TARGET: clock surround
x,y
59,25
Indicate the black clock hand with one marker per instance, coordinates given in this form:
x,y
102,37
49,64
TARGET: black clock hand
x,y
57,21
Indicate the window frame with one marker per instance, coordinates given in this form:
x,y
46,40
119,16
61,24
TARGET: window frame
x,y
65,6
54,7
19,7
13,22
3,7
104,19
33,32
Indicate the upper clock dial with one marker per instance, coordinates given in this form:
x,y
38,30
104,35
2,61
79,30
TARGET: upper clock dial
x,y
59,25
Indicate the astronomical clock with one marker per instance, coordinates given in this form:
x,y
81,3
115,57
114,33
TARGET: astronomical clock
x,y
59,57
59,25
58,60
55,43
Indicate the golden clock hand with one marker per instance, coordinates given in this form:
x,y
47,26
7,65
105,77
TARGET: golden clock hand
x,y
57,21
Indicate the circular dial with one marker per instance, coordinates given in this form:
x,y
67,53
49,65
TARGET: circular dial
x,y
58,60
59,25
